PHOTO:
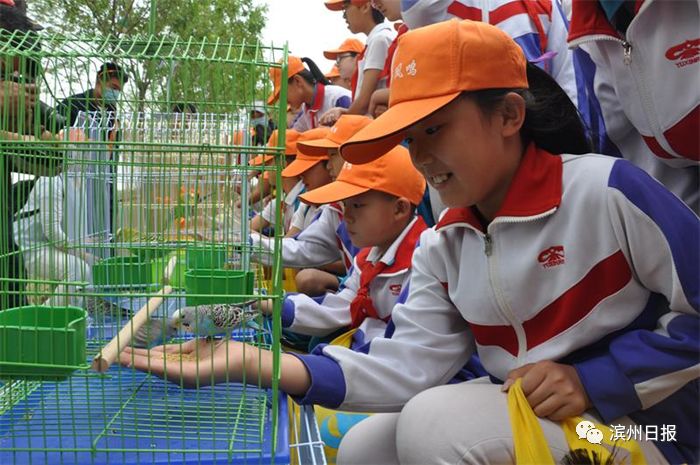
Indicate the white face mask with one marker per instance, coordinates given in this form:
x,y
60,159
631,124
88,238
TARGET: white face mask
x,y
111,95
258,121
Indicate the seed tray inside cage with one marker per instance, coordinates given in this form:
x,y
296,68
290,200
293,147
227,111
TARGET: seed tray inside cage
x,y
209,286
39,342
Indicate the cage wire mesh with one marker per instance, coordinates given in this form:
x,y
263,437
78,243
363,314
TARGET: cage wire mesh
x,y
112,207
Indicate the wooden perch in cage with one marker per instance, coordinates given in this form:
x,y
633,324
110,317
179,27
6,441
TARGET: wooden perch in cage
x,y
110,352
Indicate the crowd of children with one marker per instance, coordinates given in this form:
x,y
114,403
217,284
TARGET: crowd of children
x,y
562,138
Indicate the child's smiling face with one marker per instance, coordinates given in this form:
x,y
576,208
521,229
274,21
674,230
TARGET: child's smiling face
x,y
462,153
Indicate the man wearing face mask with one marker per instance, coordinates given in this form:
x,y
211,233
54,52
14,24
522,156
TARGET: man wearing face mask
x,y
104,96
260,123
109,81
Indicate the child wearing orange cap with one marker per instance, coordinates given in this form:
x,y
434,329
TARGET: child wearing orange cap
x,y
362,17
291,186
335,79
308,90
311,241
601,324
345,58
379,204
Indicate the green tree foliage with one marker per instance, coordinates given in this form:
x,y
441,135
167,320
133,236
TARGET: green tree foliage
x,y
161,76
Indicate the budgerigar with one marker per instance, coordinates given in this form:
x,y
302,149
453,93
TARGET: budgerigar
x,y
155,331
214,319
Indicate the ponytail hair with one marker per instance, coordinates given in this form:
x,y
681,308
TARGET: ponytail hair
x,y
552,121
312,75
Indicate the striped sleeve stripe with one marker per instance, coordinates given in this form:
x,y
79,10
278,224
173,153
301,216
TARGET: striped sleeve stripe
x,y
605,279
677,222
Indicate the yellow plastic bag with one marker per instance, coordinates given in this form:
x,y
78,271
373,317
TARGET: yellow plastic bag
x,y
530,444
345,339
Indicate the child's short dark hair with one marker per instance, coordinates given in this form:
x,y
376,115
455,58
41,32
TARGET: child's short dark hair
x,y
14,17
111,70
392,197
377,16
552,121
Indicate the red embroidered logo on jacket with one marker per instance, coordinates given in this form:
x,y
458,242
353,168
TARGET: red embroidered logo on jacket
x,y
685,54
553,256
395,289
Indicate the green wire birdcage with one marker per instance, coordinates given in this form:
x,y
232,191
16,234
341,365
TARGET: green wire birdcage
x,y
110,206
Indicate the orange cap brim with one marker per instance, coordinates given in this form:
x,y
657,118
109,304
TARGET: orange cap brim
x,y
332,192
273,96
388,130
260,160
317,147
331,54
297,167
334,6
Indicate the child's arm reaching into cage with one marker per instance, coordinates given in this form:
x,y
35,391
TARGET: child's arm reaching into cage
x,y
203,362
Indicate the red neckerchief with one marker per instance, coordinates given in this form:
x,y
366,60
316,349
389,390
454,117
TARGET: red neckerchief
x,y
362,306
356,74
316,104
386,72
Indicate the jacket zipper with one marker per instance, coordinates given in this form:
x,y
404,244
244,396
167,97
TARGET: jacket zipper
x,y
501,301
494,281
626,46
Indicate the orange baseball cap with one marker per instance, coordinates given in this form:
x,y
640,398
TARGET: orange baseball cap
x,y
294,66
305,160
339,5
290,147
432,66
350,45
333,73
343,129
392,173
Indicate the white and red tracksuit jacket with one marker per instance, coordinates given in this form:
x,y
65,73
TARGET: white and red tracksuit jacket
x,y
539,27
589,262
647,84
321,316
325,240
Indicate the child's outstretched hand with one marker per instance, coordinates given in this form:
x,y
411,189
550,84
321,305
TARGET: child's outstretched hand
x,y
198,362
554,390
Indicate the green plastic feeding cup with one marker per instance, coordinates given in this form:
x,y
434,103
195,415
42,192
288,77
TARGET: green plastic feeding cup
x,y
207,286
42,343
119,271
206,257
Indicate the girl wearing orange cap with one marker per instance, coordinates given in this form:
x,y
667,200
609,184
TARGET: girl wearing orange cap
x,y
308,90
345,58
362,17
571,272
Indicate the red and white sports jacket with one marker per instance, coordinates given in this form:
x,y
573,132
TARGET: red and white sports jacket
x,y
589,262
323,241
539,27
321,316
647,84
